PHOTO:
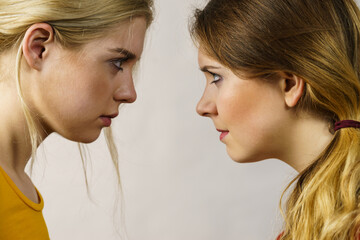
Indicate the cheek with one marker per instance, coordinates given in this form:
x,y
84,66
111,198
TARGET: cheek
x,y
87,95
251,113
76,93
238,107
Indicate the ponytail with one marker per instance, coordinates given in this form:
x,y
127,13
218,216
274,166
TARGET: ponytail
x,y
325,202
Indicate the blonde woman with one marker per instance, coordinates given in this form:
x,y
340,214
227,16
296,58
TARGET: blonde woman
x,y
282,81
66,66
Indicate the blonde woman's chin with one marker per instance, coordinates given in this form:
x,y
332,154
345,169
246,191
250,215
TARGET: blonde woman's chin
x,y
82,136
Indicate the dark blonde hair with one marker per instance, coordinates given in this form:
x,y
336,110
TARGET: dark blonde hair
x,y
317,40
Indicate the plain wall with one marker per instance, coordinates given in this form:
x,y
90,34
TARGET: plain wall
x,y
178,181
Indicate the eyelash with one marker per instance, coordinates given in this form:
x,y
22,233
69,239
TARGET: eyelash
x,y
119,61
214,76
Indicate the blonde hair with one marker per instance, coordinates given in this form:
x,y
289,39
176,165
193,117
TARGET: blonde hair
x,y
318,41
75,23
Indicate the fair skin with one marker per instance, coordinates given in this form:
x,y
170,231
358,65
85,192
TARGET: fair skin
x,y
74,93
257,118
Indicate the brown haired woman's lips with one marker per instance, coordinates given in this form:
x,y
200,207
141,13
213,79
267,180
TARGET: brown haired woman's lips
x,y
223,134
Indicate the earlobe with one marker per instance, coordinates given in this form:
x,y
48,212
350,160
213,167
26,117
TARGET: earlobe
x,y
35,44
293,87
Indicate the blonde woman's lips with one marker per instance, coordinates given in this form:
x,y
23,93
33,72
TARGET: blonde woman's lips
x,y
106,119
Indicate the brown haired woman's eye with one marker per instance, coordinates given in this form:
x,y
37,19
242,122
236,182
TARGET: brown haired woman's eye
x,y
216,77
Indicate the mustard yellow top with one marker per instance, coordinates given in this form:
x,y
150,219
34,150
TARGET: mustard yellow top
x,y
20,218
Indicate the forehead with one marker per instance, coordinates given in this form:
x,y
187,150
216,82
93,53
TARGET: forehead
x,y
128,35
205,59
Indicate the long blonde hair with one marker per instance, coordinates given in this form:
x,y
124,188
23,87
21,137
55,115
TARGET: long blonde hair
x,y
318,41
75,23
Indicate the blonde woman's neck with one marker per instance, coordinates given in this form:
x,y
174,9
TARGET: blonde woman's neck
x,y
15,147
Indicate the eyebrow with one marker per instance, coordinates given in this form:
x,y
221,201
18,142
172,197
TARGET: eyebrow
x,y
125,52
207,67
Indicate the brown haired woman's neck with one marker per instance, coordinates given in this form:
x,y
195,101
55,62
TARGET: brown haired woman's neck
x,y
308,139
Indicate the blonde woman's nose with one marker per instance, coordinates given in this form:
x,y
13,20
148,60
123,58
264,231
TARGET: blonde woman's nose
x,y
126,93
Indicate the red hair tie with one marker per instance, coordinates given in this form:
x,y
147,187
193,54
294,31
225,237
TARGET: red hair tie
x,y
346,124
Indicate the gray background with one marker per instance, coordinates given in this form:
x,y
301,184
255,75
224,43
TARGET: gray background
x,y
178,181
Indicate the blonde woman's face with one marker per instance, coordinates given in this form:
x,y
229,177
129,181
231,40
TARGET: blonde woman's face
x,y
80,92
247,113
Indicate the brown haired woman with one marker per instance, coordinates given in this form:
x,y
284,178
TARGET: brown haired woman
x,y
283,82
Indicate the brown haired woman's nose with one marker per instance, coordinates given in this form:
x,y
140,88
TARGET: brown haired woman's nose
x,y
206,107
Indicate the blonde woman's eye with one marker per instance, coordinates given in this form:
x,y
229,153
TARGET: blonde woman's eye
x,y
118,63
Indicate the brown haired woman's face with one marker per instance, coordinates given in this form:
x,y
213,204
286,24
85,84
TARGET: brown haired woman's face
x,y
248,113
78,92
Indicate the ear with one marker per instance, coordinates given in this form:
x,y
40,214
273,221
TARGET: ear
x,y
293,88
36,44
